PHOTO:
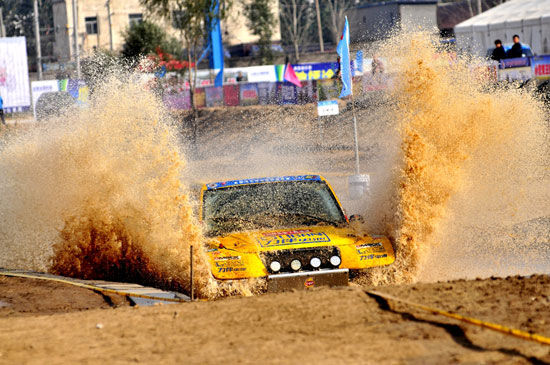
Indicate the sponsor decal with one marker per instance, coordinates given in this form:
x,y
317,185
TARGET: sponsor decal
x,y
231,269
298,231
229,264
310,282
373,256
224,258
367,248
293,239
365,245
261,180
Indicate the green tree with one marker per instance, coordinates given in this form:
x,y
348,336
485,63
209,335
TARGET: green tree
x,y
193,18
261,22
144,38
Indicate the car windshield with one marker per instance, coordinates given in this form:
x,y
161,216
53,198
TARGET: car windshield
x,y
270,205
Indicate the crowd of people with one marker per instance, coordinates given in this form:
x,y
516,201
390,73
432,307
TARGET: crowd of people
x,y
500,53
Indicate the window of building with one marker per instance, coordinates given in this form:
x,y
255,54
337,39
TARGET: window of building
x,y
91,24
135,19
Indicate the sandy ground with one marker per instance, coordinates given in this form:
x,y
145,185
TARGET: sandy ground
x,y
55,323
46,322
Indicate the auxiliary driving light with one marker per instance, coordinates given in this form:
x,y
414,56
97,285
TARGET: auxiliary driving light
x,y
295,264
315,262
335,260
275,266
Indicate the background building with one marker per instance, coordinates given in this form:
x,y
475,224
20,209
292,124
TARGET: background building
x,y
97,30
375,21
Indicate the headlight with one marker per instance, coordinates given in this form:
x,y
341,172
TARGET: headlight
x,y
315,262
275,266
295,264
335,260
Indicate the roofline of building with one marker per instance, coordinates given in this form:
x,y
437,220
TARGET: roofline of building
x,y
397,2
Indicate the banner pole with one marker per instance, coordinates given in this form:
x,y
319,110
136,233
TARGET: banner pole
x,y
191,271
355,139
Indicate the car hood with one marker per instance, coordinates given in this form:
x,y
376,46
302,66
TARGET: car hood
x,y
301,237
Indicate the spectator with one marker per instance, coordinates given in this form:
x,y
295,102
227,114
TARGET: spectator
x,y
2,111
240,77
498,53
337,73
516,50
377,66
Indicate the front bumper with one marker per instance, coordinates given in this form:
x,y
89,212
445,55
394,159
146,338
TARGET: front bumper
x,y
307,279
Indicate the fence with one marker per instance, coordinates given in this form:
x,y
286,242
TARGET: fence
x,y
319,84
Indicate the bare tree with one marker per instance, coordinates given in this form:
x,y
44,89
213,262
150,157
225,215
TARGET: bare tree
x,y
297,17
337,10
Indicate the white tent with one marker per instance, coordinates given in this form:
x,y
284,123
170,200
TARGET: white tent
x,y
530,19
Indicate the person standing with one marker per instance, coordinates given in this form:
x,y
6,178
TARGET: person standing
x,y
2,111
498,53
377,66
517,49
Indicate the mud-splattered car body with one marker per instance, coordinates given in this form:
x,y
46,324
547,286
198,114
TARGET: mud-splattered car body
x,y
289,227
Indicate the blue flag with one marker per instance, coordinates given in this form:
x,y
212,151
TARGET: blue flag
x,y
160,73
345,70
219,78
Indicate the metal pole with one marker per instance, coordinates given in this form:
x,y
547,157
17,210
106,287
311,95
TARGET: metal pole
x,y
191,271
2,28
75,35
37,40
108,4
355,136
319,28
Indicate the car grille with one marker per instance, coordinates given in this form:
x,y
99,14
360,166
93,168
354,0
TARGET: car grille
x,y
285,257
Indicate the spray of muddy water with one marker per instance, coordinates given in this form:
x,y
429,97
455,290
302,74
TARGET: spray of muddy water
x,y
99,193
472,159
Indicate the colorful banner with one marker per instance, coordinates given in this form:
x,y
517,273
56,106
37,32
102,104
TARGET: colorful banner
x,y
541,67
214,96
307,93
76,88
14,74
40,87
235,74
515,62
288,93
261,74
249,94
231,95
178,101
280,73
316,71
267,93
515,74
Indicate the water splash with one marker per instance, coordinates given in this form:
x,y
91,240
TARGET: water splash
x,y
99,193
463,142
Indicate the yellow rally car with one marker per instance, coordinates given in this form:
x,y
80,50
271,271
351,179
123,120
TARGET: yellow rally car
x,y
290,229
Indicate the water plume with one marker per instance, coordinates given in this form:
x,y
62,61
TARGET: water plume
x,y
461,137
99,193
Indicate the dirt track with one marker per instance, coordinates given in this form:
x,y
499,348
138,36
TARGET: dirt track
x,y
59,324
